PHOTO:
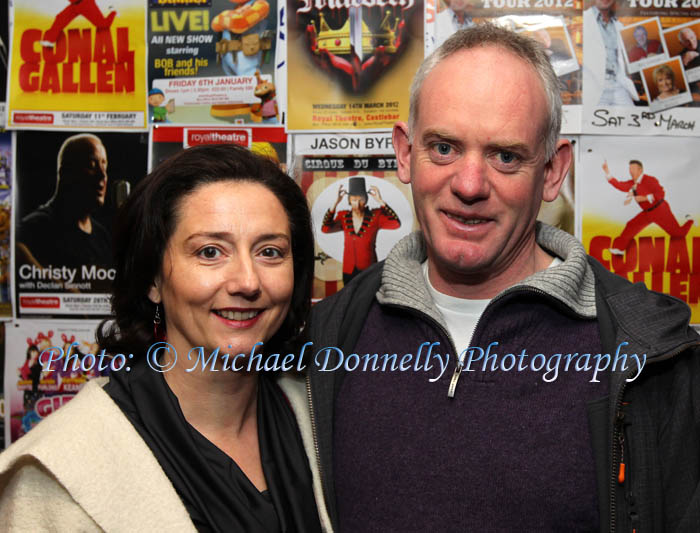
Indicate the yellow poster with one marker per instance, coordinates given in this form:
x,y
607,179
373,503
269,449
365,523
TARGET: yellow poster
x,y
350,64
78,64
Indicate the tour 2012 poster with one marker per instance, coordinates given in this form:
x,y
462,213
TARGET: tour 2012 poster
x,y
78,65
350,63
212,62
67,190
639,211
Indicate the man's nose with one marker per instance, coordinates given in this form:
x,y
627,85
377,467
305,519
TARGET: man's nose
x,y
470,181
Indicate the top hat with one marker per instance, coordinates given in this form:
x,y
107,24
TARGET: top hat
x,y
356,187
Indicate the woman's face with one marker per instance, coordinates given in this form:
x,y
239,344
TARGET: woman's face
x,y
664,83
227,276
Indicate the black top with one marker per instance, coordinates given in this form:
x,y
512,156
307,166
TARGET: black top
x,y
216,493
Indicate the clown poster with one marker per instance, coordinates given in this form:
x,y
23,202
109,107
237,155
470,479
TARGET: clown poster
x,y
359,208
270,142
640,73
349,65
78,65
639,211
556,24
212,62
46,364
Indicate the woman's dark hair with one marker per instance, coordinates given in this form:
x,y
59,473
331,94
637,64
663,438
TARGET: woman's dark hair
x,y
146,221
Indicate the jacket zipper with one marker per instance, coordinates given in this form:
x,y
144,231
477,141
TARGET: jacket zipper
x,y
615,471
315,437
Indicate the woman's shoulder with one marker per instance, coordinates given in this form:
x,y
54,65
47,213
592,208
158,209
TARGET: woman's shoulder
x,y
89,454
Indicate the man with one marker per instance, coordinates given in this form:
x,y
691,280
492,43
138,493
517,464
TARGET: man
x,y
64,231
604,78
86,8
360,226
689,55
645,47
649,195
496,448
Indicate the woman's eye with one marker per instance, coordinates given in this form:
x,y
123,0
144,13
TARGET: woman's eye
x,y
209,252
271,252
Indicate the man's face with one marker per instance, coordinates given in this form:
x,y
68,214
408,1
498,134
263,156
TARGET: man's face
x,y
688,39
605,5
640,35
87,176
476,166
635,170
357,202
458,5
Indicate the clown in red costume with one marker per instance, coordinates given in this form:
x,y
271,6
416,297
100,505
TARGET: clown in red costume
x,y
649,194
360,226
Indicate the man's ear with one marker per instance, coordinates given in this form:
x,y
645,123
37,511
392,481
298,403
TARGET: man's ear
x,y
555,171
154,293
402,147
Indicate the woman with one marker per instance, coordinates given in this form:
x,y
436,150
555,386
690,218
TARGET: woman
x,y
665,82
214,255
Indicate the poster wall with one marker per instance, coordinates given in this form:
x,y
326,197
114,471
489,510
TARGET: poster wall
x,y
212,62
5,223
267,141
641,67
351,66
639,211
78,65
68,189
36,381
359,208
556,24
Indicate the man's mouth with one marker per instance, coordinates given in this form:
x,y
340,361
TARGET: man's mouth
x,y
238,315
466,220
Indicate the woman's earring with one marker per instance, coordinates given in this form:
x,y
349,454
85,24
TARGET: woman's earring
x,y
158,329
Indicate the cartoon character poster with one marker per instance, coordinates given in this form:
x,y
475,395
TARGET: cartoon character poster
x,y
640,74
212,62
359,207
639,211
269,142
556,24
36,381
349,65
67,191
78,65
5,222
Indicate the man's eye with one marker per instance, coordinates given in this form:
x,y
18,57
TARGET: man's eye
x,y
209,252
443,148
507,157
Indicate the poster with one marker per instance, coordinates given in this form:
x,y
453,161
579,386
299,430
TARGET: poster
x,y
640,74
267,141
639,211
78,65
36,381
343,176
67,190
5,222
349,65
212,62
556,24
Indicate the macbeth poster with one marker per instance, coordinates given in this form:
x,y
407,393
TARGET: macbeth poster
x,y
68,188
349,64
78,65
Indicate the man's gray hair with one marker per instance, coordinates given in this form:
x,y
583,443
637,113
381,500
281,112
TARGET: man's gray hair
x,y
522,46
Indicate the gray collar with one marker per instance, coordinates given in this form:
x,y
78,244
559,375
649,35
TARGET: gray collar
x,y
571,282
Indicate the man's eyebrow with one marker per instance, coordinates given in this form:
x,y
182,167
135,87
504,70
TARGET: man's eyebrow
x,y
432,135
